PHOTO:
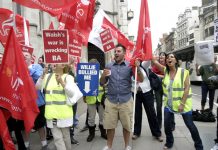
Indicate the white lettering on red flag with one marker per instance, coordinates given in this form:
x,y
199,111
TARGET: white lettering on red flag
x,y
79,18
6,22
17,90
53,7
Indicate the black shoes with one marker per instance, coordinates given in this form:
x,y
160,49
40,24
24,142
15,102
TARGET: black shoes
x,y
73,141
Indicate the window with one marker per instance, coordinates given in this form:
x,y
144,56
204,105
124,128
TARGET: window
x,y
191,36
206,32
211,31
209,19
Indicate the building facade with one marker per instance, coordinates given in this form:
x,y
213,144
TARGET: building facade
x,y
39,20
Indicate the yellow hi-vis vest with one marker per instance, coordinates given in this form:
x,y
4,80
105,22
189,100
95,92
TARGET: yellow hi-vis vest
x,y
55,98
94,99
177,91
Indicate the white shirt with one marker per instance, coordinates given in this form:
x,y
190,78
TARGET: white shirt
x,y
145,84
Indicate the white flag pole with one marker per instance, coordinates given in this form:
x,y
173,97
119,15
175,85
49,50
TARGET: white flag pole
x,y
14,5
134,101
26,37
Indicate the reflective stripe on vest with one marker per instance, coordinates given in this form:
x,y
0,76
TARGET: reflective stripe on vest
x,y
54,92
56,107
178,91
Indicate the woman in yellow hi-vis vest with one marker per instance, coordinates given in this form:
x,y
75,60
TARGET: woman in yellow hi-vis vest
x,y
177,97
59,99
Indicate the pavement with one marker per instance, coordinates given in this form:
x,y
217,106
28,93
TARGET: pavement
x,y
182,136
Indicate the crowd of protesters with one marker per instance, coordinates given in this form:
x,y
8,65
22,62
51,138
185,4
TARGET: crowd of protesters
x,y
57,104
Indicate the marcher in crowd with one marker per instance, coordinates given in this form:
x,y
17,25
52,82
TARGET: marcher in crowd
x,y
71,71
35,72
41,61
58,109
145,97
215,147
94,103
177,99
159,92
118,103
207,71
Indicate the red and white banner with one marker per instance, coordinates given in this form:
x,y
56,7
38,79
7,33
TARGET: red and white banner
x,y
100,23
26,48
53,7
17,90
121,38
7,21
107,40
56,46
143,43
75,44
79,17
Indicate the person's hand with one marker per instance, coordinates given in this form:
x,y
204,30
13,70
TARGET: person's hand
x,y
137,62
58,78
106,72
181,108
213,78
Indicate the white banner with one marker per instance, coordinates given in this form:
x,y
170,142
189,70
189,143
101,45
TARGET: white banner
x,y
204,52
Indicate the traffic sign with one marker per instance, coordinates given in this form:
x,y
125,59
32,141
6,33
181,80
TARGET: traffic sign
x,y
88,78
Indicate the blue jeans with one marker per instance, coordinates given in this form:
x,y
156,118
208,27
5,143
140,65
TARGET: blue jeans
x,y
147,99
168,116
204,90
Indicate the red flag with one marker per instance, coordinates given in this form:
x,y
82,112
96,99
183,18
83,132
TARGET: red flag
x,y
51,26
143,43
4,133
6,22
79,17
17,90
53,7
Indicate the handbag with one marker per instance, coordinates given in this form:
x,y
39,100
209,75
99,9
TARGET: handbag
x,y
155,81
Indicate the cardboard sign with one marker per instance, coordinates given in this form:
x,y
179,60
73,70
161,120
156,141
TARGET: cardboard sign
x,y
88,78
26,48
107,40
204,52
75,44
56,46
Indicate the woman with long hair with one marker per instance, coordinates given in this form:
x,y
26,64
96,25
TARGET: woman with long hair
x,y
177,97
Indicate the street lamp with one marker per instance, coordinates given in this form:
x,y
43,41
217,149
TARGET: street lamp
x,y
130,14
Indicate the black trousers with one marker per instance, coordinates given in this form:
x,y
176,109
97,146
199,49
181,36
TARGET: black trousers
x,y
147,100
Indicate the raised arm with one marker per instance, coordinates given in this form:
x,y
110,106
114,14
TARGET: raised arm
x,y
157,64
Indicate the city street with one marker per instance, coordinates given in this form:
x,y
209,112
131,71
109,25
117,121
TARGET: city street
x,y
183,139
